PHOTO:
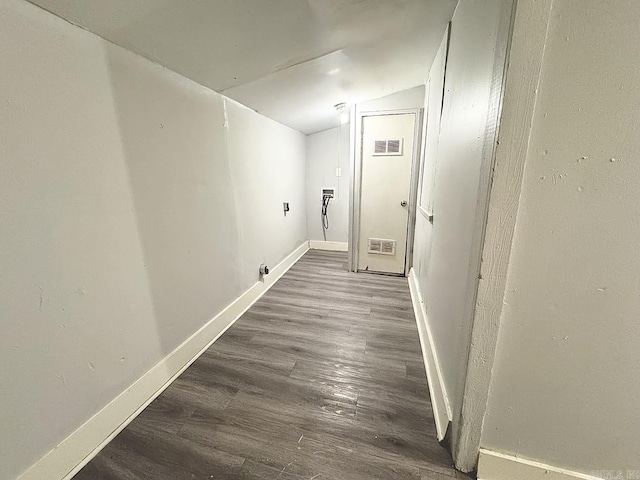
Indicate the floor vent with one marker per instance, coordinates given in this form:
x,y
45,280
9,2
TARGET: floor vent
x,y
382,246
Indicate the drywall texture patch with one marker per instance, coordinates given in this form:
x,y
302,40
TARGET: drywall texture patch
x,y
127,201
565,384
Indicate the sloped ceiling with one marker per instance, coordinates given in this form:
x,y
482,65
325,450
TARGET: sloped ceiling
x,y
291,60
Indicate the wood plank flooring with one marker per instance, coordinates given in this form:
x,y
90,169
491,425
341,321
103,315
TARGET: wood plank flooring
x,y
322,379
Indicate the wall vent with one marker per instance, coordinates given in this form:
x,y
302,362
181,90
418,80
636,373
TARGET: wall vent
x,y
382,246
387,147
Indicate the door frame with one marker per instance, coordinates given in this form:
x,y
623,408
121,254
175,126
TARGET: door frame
x,y
356,182
526,37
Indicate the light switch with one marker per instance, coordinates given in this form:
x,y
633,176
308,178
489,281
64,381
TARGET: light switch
x,y
338,172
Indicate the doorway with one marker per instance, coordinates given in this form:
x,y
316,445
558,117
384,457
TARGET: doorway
x,y
388,148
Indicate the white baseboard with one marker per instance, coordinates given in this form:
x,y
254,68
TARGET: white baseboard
x,y
333,246
498,466
74,452
437,390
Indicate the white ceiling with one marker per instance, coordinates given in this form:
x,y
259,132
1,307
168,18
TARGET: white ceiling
x,y
291,60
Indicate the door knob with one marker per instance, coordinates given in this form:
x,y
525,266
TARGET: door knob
x,y
403,203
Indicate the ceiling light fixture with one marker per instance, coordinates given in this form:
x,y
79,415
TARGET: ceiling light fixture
x,y
343,111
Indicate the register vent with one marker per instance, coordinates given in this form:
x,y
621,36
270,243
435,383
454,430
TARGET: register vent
x,y
387,147
382,246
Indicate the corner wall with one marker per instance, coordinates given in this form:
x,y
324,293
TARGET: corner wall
x,y
565,389
135,205
327,151
447,252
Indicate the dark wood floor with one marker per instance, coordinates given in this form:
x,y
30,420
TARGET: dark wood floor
x,y
321,379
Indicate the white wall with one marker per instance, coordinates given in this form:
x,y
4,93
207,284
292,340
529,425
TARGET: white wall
x,y
428,162
445,252
565,383
411,98
129,197
327,151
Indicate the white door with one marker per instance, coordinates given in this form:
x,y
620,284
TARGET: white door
x,y
387,155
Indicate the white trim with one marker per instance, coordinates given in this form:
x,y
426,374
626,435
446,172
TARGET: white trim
x,y
425,213
75,451
332,246
413,189
499,466
356,183
437,391
352,189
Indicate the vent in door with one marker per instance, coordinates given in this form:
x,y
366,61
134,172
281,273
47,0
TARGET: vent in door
x,y
387,147
381,246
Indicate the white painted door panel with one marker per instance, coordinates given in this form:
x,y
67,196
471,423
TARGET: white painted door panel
x,y
386,176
